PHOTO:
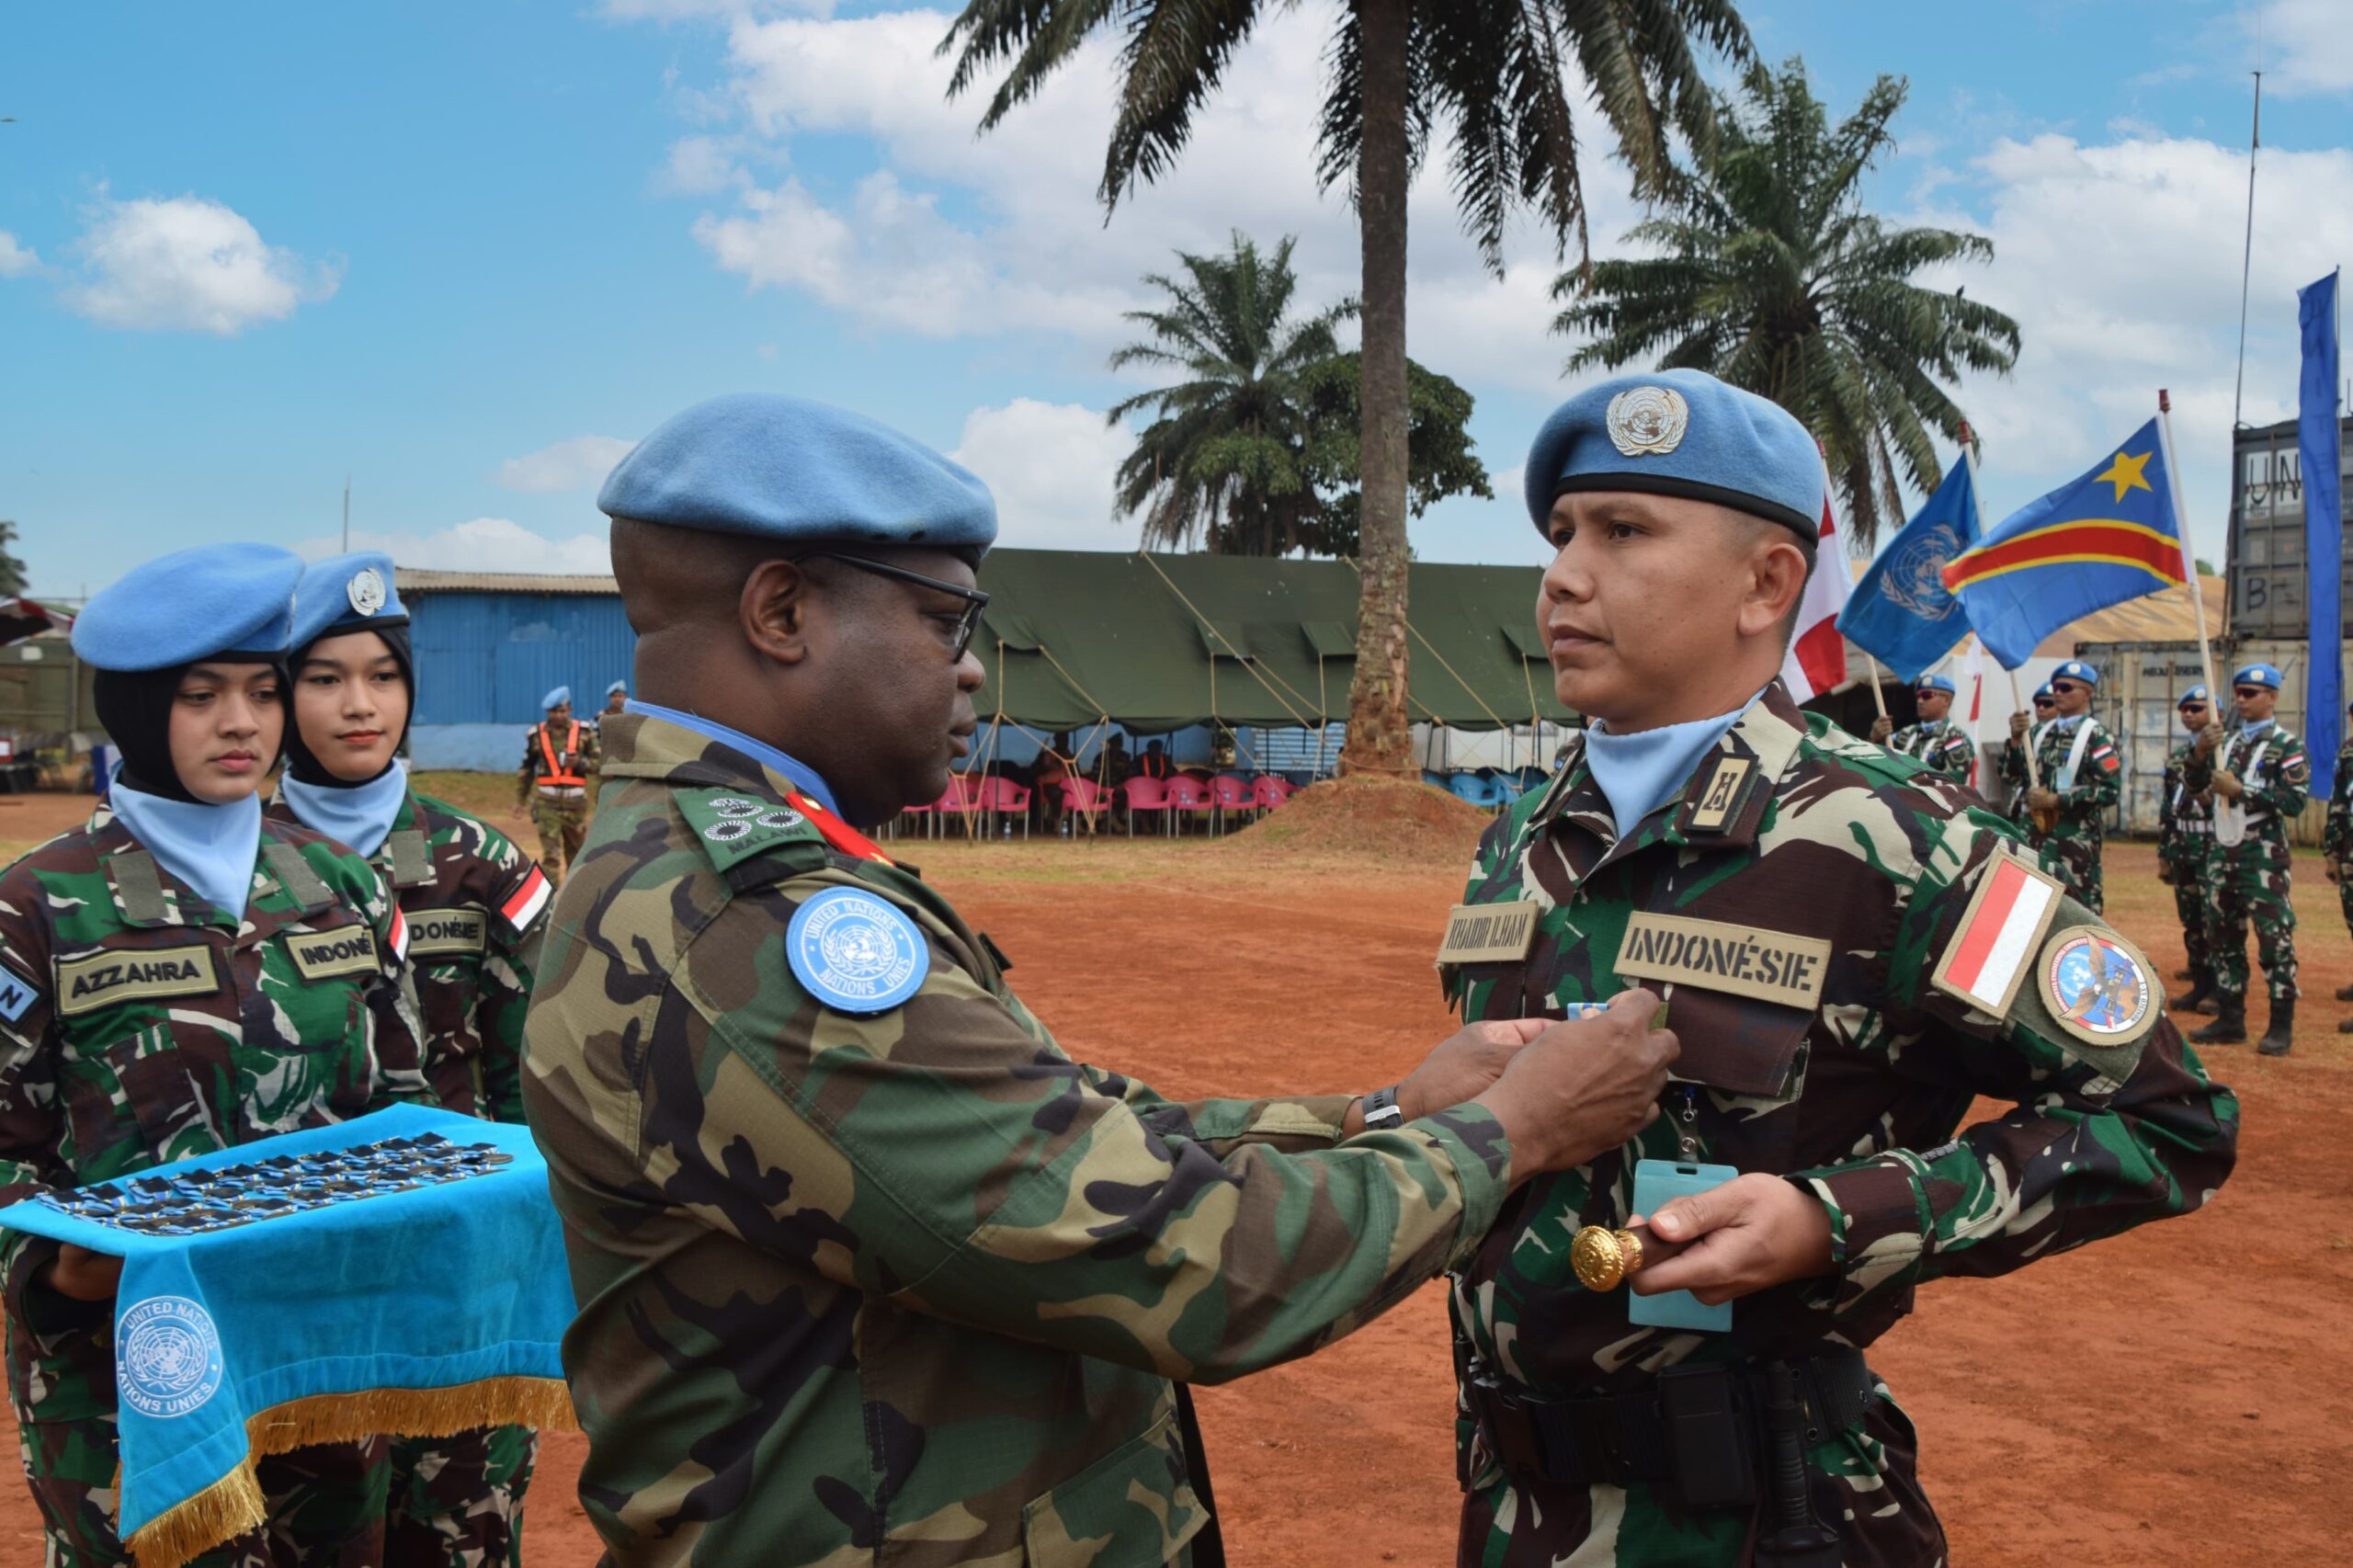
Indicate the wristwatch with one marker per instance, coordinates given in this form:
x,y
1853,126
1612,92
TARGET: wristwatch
x,y
1382,1110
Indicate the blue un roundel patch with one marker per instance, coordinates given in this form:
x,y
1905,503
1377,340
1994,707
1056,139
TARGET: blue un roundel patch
x,y
855,952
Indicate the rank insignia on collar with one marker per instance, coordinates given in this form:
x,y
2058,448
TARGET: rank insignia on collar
x,y
1725,796
2096,985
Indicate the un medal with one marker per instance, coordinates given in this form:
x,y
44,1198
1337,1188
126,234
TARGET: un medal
x,y
1648,419
366,591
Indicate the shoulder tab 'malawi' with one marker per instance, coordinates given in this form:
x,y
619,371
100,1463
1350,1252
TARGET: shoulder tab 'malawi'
x,y
734,827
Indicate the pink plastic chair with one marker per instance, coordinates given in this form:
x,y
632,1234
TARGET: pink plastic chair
x,y
1004,795
962,800
1145,795
919,816
1230,792
1266,793
1086,801
1188,796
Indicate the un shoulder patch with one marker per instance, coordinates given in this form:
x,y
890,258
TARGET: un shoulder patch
x,y
734,827
856,951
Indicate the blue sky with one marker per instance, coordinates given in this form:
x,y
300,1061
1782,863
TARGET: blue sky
x,y
464,255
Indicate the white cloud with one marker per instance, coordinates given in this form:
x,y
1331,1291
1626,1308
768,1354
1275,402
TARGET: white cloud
x,y
576,464
16,260
186,263
2307,47
704,10
1052,468
484,544
699,166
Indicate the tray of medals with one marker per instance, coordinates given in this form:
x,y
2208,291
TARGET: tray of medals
x,y
228,1196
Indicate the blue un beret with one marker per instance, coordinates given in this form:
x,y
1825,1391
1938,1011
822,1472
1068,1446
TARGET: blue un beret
x,y
1680,433
619,686
2257,674
2044,693
1935,683
191,605
555,698
2075,669
346,593
2195,694
799,472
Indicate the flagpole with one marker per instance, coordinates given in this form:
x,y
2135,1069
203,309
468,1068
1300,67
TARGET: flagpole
x,y
2017,703
2188,561
1878,697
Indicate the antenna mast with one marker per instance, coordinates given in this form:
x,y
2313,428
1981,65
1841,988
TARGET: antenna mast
x,y
2246,257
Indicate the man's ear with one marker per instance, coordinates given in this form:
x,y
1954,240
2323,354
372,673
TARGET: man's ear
x,y
1777,570
774,610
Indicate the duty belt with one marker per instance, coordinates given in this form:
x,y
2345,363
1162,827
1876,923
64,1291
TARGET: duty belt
x,y
2199,824
1696,1431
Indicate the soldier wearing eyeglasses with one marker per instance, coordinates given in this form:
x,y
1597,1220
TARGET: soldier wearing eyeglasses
x,y
2259,780
2024,732
2186,855
2078,775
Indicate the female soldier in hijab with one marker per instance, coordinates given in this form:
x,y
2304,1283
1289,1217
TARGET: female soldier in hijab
x,y
472,901
156,1002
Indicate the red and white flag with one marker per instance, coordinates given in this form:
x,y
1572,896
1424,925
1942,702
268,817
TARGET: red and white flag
x,y
1816,661
523,905
1988,956
1971,708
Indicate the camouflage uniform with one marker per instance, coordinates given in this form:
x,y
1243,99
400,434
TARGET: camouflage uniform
x,y
560,811
2072,846
910,1287
2336,839
1792,829
155,1032
2186,849
2250,879
457,1502
1942,746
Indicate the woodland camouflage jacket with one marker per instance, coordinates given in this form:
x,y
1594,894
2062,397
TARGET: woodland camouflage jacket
x,y
2184,817
1942,746
142,1026
463,884
2083,805
907,1288
2336,834
1795,838
2276,779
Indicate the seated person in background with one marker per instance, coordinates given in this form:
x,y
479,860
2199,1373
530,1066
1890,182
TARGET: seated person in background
x,y
1155,762
1051,772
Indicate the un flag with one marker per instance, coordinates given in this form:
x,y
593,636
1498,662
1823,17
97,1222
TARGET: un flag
x,y
1902,612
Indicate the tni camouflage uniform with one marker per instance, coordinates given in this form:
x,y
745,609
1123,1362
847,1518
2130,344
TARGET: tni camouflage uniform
x,y
2251,878
2186,849
1793,831
560,811
2072,846
1942,746
157,1029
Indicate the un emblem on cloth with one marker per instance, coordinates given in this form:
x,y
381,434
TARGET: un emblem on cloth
x,y
855,952
1648,419
1913,581
366,591
2098,986
167,1356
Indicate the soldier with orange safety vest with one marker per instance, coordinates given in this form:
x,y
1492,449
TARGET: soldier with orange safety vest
x,y
560,757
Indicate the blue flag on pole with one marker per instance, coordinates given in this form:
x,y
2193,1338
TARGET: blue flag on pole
x,y
1901,611
2095,541
2318,436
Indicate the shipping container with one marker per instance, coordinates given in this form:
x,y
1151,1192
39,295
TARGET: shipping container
x,y
2267,567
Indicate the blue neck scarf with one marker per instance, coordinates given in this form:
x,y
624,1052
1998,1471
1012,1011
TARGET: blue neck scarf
x,y
803,776
1638,771
212,848
359,814
2260,727
2069,720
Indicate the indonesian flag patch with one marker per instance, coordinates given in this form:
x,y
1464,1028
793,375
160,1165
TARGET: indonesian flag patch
x,y
523,905
400,935
1999,935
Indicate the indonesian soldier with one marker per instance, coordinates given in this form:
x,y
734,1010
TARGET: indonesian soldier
x,y
616,699
2259,779
2012,764
1936,741
2186,853
560,757
177,977
472,901
1853,953
871,1271
2079,774
2336,844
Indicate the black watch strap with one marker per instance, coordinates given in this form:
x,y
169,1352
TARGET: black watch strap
x,y
1382,1110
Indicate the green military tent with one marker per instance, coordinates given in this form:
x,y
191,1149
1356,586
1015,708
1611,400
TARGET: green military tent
x,y
1157,642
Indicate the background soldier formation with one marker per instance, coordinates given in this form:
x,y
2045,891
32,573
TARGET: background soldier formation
x,y
2186,855
2074,781
2257,779
1936,741
2336,844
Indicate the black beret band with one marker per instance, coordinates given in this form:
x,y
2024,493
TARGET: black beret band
x,y
1808,529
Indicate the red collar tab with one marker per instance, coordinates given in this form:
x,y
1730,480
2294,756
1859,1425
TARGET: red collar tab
x,y
838,834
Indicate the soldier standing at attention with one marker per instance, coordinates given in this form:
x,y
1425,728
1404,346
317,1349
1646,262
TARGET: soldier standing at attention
x,y
1936,741
1855,953
2186,854
2012,760
870,1270
177,978
2082,775
2259,780
2336,844
472,901
616,699
559,758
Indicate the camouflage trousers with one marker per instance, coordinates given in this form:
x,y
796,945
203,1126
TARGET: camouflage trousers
x,y
563,828
2345,896
2250,888
1864,1481
457,1502
326,1503
2192,866
2072,851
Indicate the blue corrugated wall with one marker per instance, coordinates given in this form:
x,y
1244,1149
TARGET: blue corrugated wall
x,y
487,658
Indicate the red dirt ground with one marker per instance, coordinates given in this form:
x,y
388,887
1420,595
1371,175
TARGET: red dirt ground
x,y
2178,1395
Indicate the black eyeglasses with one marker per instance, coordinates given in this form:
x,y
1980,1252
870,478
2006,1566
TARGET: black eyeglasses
x,y
2065,686
975,601
2251,691
2046,702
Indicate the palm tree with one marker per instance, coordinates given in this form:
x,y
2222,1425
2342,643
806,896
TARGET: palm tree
x,y
1768,273
1492,73
1224,461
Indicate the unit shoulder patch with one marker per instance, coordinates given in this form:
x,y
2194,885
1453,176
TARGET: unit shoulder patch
x,y
855,951
17,994
2098,986
735,827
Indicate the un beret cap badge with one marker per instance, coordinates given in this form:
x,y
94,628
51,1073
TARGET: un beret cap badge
x,y
366,591
1648,419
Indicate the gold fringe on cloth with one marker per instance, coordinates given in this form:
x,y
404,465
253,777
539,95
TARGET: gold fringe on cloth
x,y
234,1505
